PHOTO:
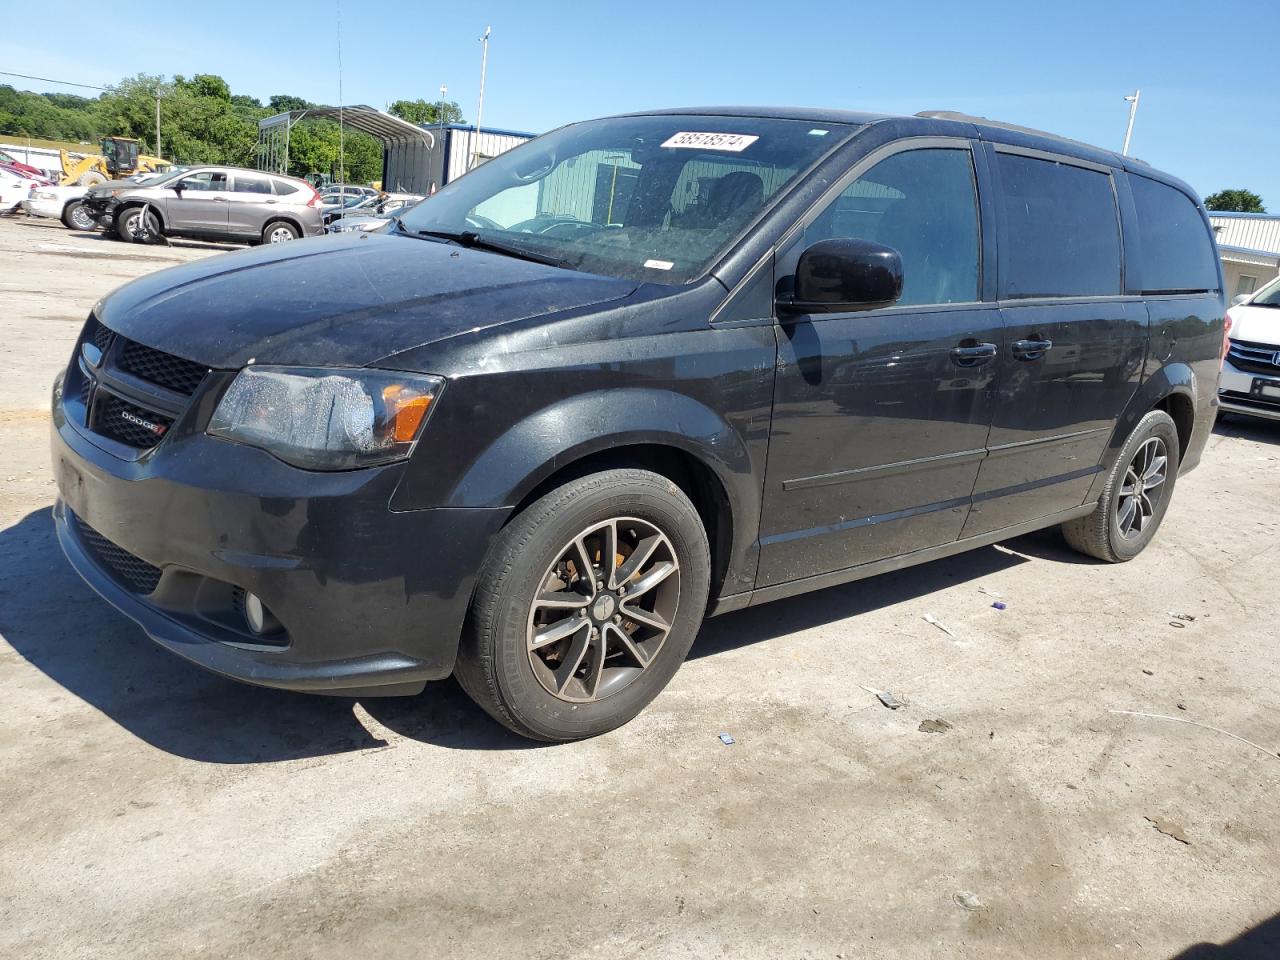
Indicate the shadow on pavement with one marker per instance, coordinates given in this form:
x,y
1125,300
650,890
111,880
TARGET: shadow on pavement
x,y
1257,943
61,627
1247,428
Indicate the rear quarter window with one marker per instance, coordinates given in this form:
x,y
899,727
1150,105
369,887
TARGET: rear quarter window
x,y
1061,230
1176,254
284,187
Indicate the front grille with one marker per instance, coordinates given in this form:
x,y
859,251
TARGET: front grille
x,y
164,369
138,575
1254,357
137,410
126,422
100,335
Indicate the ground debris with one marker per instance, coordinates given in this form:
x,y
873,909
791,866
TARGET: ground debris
x,y
1000,605
727,740
1169,829
930,618
933,726
968,900
1182,616
884,696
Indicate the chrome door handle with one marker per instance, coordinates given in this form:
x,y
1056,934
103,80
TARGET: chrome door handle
x,y
970,353
1031,349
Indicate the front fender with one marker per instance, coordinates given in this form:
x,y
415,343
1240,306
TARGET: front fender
x,y
534,448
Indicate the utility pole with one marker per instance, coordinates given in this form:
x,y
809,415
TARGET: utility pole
x,y
484,65
1133,112
158,153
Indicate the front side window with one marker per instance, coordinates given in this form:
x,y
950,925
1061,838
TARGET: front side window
x,y
206,180
1062,232
648,198
924,204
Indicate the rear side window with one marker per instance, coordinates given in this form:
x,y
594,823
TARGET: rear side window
x,y
248,183
1062,234
1177,255
284,187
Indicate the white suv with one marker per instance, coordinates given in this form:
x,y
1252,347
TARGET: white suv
x,y
1251,371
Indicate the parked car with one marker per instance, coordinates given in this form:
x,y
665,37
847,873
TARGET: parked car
x,y
330,211
368,219
538,460
1251,371
336,193
8,160
60,203
209,203
16,186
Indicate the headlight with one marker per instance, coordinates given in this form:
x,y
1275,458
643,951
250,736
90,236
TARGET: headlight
x,y
323,418
43,195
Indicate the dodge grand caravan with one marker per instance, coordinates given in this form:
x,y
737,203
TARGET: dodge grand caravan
x,y
635,372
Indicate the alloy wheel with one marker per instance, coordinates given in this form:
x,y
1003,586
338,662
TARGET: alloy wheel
x,y
80,217
1142,488
603,610
280,235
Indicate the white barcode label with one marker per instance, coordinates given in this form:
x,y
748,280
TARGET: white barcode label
x,y
659,264
729,142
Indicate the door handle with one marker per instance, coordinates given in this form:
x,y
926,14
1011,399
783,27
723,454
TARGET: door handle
x,y
1031,349
971,353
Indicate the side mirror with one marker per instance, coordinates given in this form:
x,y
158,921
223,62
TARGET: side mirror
x,y
177,187
834,276
1240,298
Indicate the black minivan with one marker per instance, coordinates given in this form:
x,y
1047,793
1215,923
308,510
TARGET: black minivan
x,y
634,372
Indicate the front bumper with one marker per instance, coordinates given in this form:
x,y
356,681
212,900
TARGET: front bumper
x,y
43,208
372,601
1238,393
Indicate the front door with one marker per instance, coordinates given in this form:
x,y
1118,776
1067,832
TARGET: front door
x,y
200,206
1074,345
881,417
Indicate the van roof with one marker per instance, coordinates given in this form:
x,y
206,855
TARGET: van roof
x,y
939,123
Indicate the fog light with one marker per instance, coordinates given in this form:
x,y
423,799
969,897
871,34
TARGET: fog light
x,y
257,617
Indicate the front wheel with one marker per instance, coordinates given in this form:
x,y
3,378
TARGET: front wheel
x,y
586,606
75,216
1136,495
131,227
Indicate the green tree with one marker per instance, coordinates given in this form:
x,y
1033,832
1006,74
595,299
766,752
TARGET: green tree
x,y
282,102
1235,201
421,112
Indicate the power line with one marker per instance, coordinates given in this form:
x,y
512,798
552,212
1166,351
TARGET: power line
x,y
65,83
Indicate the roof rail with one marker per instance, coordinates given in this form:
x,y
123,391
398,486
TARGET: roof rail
x,y
1001,125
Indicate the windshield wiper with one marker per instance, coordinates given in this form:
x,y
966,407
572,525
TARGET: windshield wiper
x,y
468,238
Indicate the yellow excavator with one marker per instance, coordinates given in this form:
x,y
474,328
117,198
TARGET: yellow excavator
x,y
119,159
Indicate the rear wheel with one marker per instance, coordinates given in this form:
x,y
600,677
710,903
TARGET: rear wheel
x,y
279,232
131,226
587,605
75,216
1136,496
91,178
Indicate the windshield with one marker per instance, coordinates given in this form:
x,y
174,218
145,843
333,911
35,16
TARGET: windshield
x,y
645,198
1268,296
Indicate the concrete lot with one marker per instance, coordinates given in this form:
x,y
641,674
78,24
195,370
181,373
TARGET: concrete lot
x,y
150,810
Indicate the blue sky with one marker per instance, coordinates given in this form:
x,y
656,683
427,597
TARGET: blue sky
x,y
1208,96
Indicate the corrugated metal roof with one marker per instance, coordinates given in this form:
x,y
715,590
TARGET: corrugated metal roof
x,y
1253,232
384,126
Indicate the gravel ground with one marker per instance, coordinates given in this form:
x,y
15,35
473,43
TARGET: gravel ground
x,y
151,810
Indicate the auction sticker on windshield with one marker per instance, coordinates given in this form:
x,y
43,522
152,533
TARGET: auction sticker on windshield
x,y
730,142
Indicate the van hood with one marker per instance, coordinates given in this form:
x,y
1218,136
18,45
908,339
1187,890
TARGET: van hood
x,y
1256,324
341,300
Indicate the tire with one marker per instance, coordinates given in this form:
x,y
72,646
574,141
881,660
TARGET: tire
x,y
279,232
126,220
75,216
515,680
91,178
1122,525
